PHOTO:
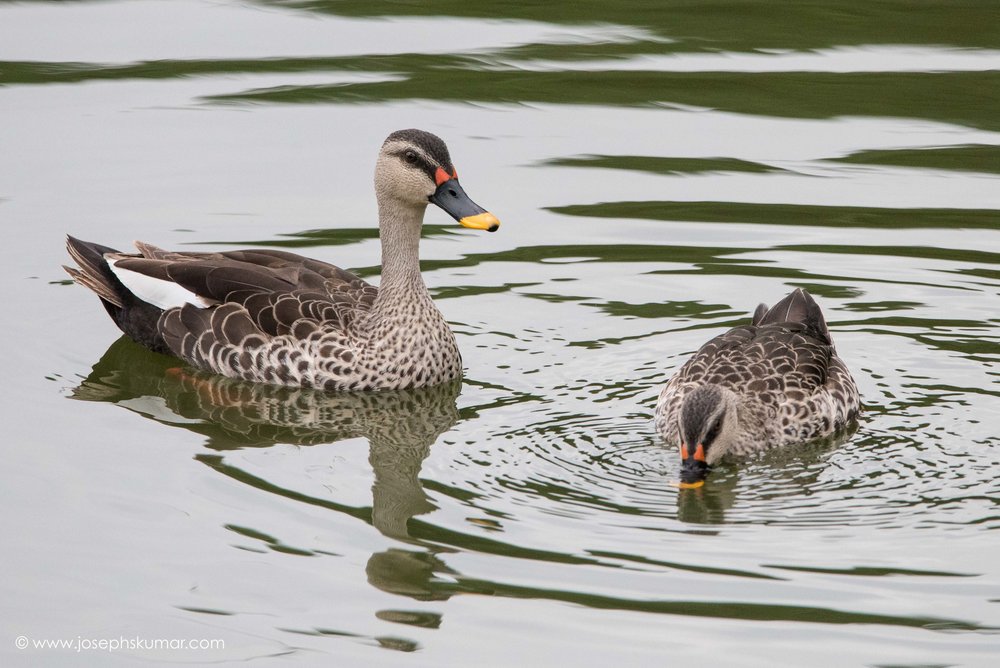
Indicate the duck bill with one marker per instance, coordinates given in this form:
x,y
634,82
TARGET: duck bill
x,y
694,468
450,197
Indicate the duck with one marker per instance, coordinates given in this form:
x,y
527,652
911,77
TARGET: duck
x,y
775,382
275,317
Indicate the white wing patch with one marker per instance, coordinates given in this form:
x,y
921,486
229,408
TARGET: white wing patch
x,y
164,294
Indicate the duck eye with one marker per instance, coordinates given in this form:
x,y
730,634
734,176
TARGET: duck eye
x,y
410,157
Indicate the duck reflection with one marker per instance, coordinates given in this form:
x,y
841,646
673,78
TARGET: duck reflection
x,y
400,425
708,504
410,573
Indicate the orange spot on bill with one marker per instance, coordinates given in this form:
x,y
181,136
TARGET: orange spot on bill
x,y
699,453
440,176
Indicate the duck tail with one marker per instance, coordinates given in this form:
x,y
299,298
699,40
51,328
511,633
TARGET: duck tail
x,y
798,307
134,317
94,272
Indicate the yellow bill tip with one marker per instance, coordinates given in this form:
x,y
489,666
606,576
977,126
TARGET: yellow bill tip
x,y
481,221
689,485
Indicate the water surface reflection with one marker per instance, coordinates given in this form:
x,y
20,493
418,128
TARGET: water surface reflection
x,y
400,426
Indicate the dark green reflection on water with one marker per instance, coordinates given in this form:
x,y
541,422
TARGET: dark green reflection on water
x,y
725,24
810,215
338,236
718,609
966,158
945,254
883,571
420,580
502,75
662,165
674,309
963,98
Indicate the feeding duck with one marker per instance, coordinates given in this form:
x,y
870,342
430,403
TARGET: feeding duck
x,y
276,317
774,382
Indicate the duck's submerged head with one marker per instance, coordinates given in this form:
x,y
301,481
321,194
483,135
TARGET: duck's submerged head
x,y
707,428
414,168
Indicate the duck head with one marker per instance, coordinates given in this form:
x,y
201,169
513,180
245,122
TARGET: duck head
x,y
414,168
707,428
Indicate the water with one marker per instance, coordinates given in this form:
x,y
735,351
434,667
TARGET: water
x,y
658,171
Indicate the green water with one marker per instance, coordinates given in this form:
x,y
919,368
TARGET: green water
x,y
659,169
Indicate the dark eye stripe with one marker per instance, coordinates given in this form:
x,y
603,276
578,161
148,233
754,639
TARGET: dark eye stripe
x,y
713,433
421,163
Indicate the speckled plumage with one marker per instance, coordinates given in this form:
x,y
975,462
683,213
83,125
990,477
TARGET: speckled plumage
x,y
781,373
277,317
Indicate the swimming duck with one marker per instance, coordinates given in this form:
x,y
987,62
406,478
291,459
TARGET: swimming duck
x,y
774,382
275,317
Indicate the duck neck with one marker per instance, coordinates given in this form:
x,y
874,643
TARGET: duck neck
x,y
399,231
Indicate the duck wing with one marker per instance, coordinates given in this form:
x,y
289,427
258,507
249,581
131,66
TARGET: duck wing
x,y
783,359
276,288
247,314
790,383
